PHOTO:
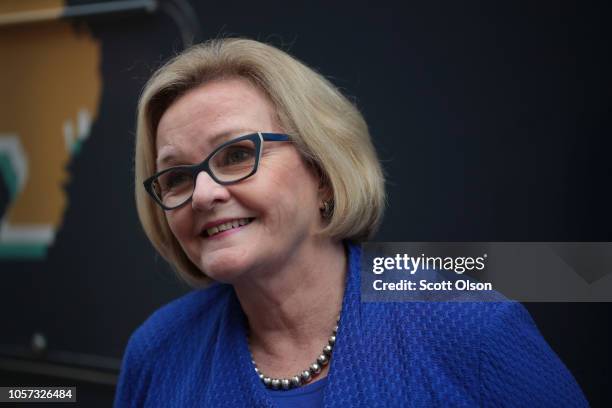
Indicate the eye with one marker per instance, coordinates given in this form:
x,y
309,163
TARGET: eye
x,y
237,155
174,180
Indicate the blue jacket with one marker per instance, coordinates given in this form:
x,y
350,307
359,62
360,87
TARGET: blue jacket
x,y
193,353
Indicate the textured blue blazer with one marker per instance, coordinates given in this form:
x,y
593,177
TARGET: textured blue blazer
x,y
193,353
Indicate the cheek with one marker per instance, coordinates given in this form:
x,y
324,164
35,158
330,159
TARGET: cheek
x,y
293,194
179,224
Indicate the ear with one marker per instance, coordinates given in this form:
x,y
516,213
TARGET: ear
x,y
326,202
325,195
325,191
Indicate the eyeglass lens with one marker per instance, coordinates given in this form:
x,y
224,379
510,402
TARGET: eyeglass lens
x,y
231,163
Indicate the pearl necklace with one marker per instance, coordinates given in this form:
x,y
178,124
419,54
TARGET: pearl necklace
x,y
305,376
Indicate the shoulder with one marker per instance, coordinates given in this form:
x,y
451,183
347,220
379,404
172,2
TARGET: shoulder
x,y
498,346
195,311
156,343
516,362
488,353
481,328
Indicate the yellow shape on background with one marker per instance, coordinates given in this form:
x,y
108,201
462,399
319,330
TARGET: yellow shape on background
x,y
49,73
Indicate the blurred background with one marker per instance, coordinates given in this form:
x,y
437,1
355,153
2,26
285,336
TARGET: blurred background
x,y
492,120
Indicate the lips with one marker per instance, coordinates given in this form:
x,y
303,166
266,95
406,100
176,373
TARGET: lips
x,y
217,227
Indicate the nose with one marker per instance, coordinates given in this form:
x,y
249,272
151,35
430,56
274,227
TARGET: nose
x,y
207,193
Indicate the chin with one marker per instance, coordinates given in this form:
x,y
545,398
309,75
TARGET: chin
x,y
224,268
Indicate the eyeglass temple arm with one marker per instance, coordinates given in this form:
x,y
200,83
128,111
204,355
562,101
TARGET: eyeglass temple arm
x,y
274,137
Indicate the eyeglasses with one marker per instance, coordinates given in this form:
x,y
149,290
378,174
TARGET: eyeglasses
x,y
229,163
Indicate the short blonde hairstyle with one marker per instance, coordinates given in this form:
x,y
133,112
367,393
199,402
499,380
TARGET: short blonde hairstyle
x,y
326,127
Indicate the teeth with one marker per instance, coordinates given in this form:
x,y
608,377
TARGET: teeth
x,y
226,226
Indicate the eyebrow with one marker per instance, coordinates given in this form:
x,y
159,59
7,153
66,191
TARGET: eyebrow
x,y
167,158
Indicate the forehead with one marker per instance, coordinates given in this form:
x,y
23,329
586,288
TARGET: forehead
x,y
205,116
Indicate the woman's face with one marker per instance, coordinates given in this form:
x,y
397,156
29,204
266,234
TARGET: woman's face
x,y
282,198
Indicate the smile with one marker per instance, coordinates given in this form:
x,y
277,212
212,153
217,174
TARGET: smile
x,y
227,226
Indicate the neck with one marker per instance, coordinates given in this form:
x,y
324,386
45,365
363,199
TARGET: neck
x,y
292,310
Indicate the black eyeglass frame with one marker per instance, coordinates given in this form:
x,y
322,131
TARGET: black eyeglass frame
x,y
195,169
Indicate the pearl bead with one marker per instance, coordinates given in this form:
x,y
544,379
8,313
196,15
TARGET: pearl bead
x,y
275,383
261,376
296,381
306,376
332,340
315,368
285,384
267,381
327,349
322,359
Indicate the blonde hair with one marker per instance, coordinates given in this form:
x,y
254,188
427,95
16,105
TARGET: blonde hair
x,y
326,127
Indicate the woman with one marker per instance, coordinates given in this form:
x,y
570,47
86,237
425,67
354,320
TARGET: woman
x,y
261,177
